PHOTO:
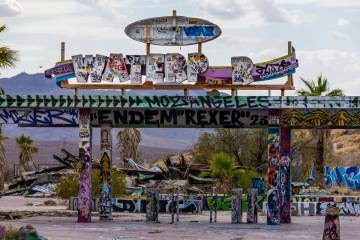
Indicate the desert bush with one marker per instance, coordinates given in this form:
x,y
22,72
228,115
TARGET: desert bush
x,y
69,186
11,233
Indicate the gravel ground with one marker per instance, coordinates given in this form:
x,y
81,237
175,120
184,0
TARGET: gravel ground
x,y
195,227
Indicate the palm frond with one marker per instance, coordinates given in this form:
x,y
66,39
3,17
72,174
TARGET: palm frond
x,y
309,84
8,58
3,28
336,92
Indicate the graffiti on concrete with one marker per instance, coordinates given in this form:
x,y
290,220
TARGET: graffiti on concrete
x,y
259,184
285,176
138,205
40,117
342,177
321,118
180,118
105,200
85,187
273,217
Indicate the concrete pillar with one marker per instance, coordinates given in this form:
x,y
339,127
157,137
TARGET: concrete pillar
x,y
152,205
285,176
236,205
85,188
105,201
252,216
273,216
332,224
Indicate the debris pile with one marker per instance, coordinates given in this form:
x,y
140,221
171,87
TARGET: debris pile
x,y
42,183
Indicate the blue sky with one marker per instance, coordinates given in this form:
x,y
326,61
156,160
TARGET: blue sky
x,y
325,32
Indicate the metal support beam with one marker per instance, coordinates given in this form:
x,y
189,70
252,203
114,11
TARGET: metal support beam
x,y
273,217
105,201
84,196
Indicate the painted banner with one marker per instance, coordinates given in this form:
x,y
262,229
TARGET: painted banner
x,y
135,63
273,214
169,68
105,200
179,118
155,64
85,185
175,66
285,176
242,67
321,118
40,117
331,106
276,68
198,63
173,30
97,68
62,71
115,66
342,177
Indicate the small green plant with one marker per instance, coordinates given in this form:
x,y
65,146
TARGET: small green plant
x,y
11,233
69,186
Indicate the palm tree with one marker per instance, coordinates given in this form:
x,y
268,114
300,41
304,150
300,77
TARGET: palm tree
x,y
319,88
24,143
222,167
128,143
8,59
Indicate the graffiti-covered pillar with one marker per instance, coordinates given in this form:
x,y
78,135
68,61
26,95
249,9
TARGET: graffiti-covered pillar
x,y
152,204
236,205
273,217
84,195
105,201
252,215
332,224
285,176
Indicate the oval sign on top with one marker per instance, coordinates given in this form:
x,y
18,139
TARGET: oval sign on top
x,y
173,30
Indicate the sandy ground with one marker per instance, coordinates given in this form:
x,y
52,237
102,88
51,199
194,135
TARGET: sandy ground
x,y
195,227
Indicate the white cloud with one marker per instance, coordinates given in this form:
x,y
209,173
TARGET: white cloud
x,y
322,3
342,22
348,61
250,13
339,36
9,8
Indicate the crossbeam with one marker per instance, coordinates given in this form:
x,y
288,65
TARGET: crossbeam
x,y
178,102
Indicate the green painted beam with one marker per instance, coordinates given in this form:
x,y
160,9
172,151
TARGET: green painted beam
x,y
178,102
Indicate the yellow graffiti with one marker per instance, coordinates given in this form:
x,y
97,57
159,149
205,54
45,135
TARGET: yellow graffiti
x,y
321,118
105,168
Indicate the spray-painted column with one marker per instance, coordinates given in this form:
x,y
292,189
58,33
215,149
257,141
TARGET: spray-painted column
x,y
252,216
236,206
273,217
84,196
105,201
285,176
152,204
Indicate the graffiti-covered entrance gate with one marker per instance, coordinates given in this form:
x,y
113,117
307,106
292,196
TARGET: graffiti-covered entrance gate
x,y
278,114
172,71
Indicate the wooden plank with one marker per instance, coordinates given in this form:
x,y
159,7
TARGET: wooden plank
x,y
151,86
